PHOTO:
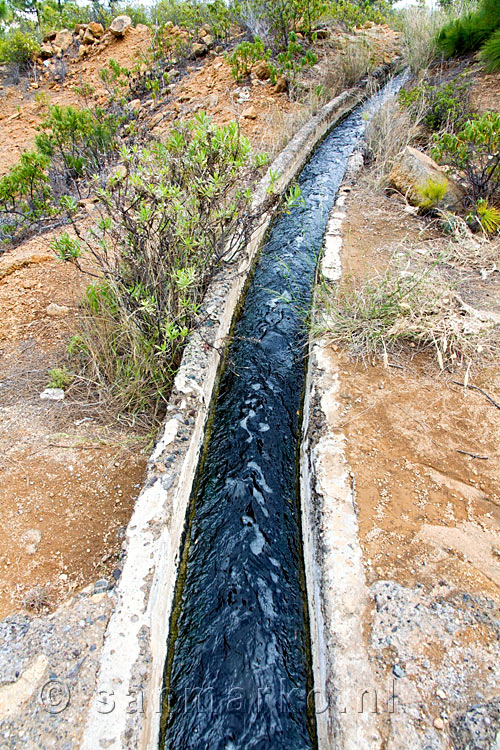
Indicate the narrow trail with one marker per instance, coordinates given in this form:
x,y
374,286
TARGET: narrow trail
x,y
238,672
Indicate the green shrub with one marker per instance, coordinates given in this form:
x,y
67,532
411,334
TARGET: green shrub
x,y
24,193
350,14
77,140
490,53
59,377
468,33
475,152
216,16
487,216
245,55
19,47
432,193
164,231
443,107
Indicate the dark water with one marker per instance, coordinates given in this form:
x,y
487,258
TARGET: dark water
x,y
239,667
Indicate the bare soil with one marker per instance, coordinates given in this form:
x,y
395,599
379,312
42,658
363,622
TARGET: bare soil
x,y
424,454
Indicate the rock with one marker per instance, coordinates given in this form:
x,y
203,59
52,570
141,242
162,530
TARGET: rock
x,y
141,27
52,394
413,170
322,33
281,85
46,51
88,37
57,311
63,39
250,114
439,724
397,671
478,728
262,70
120,25
219,49
82,50
31,539
79,27
208,40
97,29
199,49
135,105
212,101
101,585
50,36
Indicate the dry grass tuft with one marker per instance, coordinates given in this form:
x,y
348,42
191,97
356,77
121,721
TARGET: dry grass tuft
x,y
405,310
388,133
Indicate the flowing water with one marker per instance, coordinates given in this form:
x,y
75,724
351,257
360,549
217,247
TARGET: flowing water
x,y
238,672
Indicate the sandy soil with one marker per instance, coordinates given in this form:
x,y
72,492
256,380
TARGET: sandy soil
x,y
424,453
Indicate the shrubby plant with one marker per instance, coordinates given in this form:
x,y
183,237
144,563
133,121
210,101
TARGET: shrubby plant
x,y
445,106
24,194
77,140
468,32
474,152
164,230
19,47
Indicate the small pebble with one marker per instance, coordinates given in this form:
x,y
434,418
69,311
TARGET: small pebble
x,y
439,724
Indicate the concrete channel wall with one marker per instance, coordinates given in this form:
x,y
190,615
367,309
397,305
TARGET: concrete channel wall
x,y
125,709
344,684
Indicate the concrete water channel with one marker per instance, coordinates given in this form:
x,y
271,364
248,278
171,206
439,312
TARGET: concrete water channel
x,y
210,638
239,669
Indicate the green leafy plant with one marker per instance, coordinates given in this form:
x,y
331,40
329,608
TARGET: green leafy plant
x,y
59,377
164,230
24,193
486,215
78,140
20,47
245,55
442,107
475,152
432,193
350,14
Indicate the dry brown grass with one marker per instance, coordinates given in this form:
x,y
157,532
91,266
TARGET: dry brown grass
x,y
405,309
388,133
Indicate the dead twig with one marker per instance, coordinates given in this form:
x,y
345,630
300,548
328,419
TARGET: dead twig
x,y
477,388
472,455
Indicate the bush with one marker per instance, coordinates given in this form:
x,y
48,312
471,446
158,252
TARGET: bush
x,y
19,47
164,231
350,14
468,33
475,152
490,53
216,15
24,193
431,193
487,216
443,107
245,55
77,140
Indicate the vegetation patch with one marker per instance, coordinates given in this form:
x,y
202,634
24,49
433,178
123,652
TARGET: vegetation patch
x,y
179,214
